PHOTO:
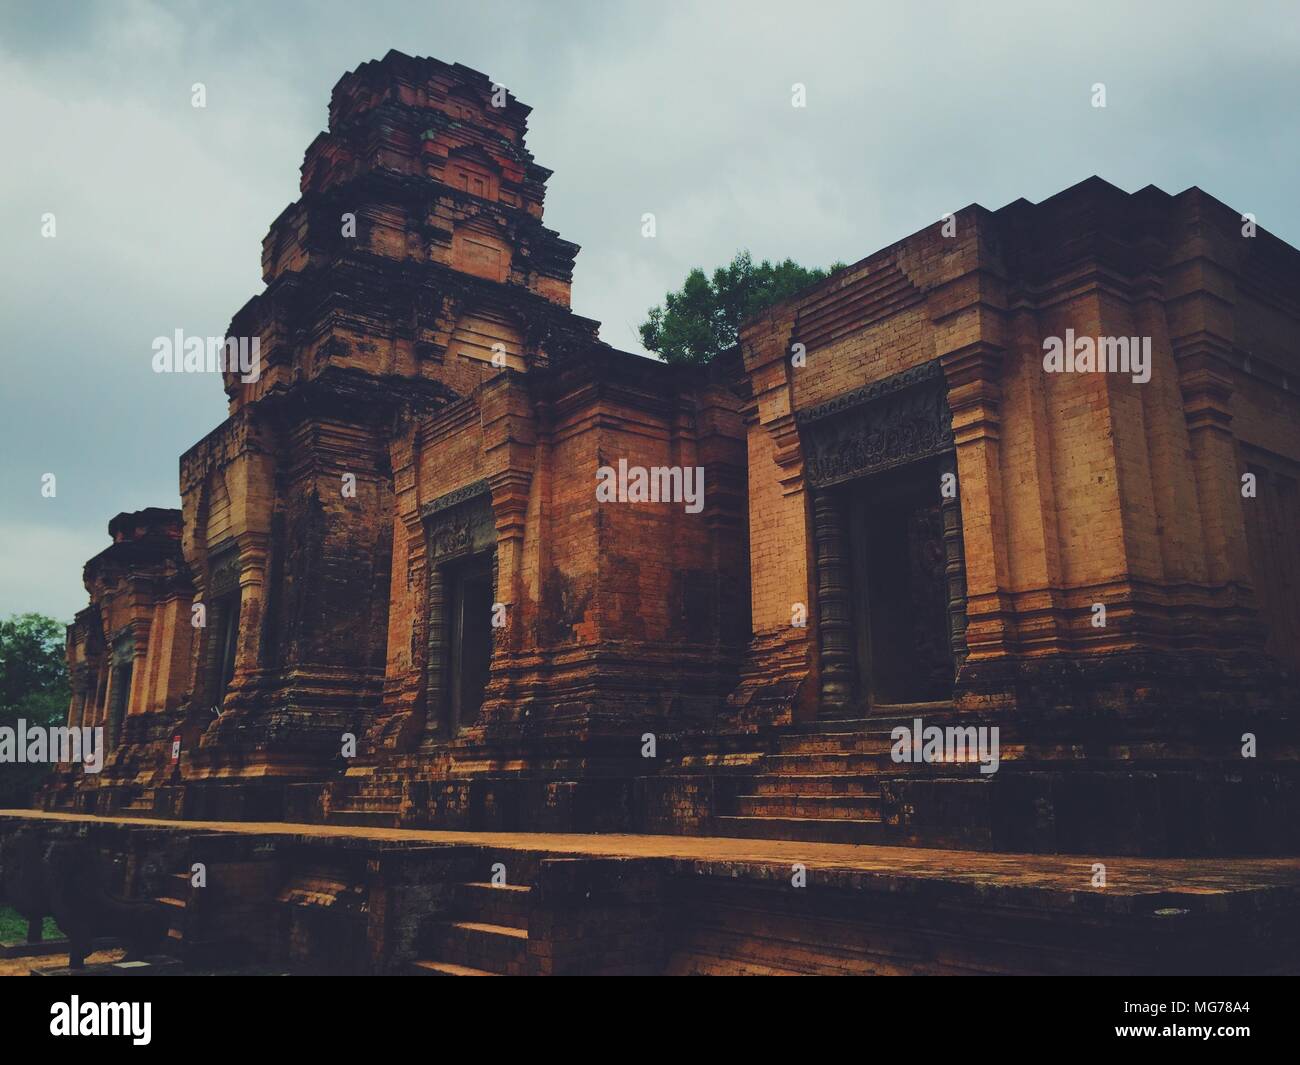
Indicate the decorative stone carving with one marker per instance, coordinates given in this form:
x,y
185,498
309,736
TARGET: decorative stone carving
x,y
455,498
834,609
460,523
878,427
954,554
889,423
223,571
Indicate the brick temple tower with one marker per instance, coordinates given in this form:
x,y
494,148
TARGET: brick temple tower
x,y
415,252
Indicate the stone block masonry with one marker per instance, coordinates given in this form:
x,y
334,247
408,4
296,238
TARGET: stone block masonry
x,y
394,594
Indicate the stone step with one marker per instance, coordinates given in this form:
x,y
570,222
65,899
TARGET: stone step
x,y
497,948
370,795
444,968
806,829
498,904
176,888
881,720
833,742
814,784
838,763
837,807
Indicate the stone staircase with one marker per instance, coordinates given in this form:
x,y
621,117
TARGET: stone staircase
x,y
140,805
176,897
371,798
486,933
821,784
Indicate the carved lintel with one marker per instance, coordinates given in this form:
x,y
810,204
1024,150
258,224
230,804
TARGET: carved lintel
x,y
887,424
223,571
455,498
460,523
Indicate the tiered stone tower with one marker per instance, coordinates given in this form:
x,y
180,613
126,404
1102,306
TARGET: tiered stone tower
x,y
416,246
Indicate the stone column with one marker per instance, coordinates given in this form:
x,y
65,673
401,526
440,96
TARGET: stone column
x,y
138,696
1206,381
974,396
834,605
435,696
92,716
80,682
510,451
954,565
254,549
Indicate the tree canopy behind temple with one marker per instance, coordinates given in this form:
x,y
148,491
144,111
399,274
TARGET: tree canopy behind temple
x,y
33,687
703,319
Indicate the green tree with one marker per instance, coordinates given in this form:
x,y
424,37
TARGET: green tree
x,y
702,320
33,687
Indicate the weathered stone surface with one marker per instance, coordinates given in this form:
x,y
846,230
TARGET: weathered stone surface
x,y
325,899
418,612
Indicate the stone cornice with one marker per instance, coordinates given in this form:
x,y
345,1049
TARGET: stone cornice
x,y
454,498
909,378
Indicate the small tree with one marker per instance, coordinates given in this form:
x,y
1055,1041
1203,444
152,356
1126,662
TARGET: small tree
x,y
702,320
33,687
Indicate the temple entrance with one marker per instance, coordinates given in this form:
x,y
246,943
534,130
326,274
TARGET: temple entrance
x,y
222,644
468,640
899,588
886,524
461,538
119,692
228,642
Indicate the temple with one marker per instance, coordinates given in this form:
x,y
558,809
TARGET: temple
x,y
394,596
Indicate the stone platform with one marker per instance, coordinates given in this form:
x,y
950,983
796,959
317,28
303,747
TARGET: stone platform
x,y
321,898
156,965
22,948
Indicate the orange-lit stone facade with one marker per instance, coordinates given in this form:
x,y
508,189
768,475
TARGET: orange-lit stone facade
x,y
417,609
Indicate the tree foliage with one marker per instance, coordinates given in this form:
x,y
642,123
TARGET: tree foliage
x,y
32,665
33,688
703,319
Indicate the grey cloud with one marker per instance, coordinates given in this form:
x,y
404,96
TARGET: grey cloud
x,y
680,109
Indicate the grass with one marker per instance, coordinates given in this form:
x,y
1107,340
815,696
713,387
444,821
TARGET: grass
x,y
14,926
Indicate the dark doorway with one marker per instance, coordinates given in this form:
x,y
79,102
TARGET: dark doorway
x,y
229,641
900,590
468,641
120,695
223,617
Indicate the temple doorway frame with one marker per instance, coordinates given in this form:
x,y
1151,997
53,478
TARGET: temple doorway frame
x,y
896,423
461,549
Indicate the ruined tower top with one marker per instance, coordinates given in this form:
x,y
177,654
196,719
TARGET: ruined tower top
x,y
416,248
426,118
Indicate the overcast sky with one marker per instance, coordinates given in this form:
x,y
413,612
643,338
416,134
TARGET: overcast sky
x,y
685,110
